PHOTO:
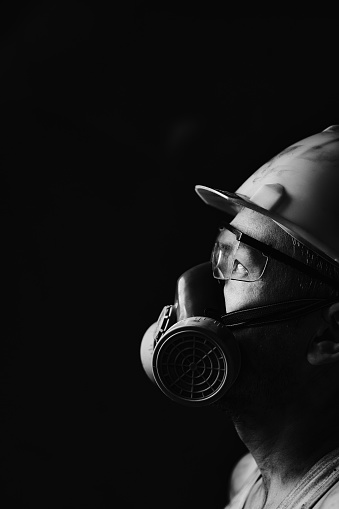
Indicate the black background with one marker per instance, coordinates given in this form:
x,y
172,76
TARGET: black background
x,y
109,117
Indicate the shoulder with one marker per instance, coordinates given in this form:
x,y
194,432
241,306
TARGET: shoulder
x,y
241,473
330,500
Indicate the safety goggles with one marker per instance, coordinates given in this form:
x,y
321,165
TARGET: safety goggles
x,y
240,257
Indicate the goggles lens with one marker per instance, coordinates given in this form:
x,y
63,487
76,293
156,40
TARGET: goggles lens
x,y
234,259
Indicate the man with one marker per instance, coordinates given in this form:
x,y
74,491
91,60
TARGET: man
x,y
282,402
278,261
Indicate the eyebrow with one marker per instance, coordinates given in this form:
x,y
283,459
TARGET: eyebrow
x,y
281,257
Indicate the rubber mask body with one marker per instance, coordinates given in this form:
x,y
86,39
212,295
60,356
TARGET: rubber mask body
x,y
188,353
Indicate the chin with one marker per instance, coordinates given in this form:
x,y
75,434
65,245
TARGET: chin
x,y
241,398
256,396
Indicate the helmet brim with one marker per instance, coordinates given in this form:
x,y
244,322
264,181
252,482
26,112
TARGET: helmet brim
x,y
228,202
232,203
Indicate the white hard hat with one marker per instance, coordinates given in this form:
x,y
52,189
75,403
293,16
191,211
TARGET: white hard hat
x,y
298,189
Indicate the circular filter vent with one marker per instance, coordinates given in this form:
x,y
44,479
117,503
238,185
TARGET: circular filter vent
x,y
190,367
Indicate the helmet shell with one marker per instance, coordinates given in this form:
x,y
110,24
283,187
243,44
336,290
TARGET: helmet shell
x,y
298,189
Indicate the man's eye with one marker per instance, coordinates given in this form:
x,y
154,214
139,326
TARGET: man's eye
x,y
239,269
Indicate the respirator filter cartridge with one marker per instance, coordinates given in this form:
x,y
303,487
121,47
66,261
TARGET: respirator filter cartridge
x,y
196,361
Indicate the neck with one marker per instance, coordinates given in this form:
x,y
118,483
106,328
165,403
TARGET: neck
x,y
286,442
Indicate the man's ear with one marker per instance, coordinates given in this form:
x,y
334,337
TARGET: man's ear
x,y
324,347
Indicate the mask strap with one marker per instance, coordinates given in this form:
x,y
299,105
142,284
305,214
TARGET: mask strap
x,y
273,313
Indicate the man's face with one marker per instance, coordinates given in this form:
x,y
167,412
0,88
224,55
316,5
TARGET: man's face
x,y
244,294
273,356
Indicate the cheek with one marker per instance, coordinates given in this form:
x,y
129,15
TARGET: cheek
x,y
241,295
275,286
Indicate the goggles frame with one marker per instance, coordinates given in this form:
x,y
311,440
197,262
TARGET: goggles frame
x,y
270,251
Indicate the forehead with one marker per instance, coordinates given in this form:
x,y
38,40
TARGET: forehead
x,y
262,228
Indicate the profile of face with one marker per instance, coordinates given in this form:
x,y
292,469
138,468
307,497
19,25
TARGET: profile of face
x,y
274,357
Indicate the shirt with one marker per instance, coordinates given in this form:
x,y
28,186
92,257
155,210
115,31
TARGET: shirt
x,y
318,489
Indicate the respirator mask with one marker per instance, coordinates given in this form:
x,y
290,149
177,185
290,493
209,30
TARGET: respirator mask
x,y
191,352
